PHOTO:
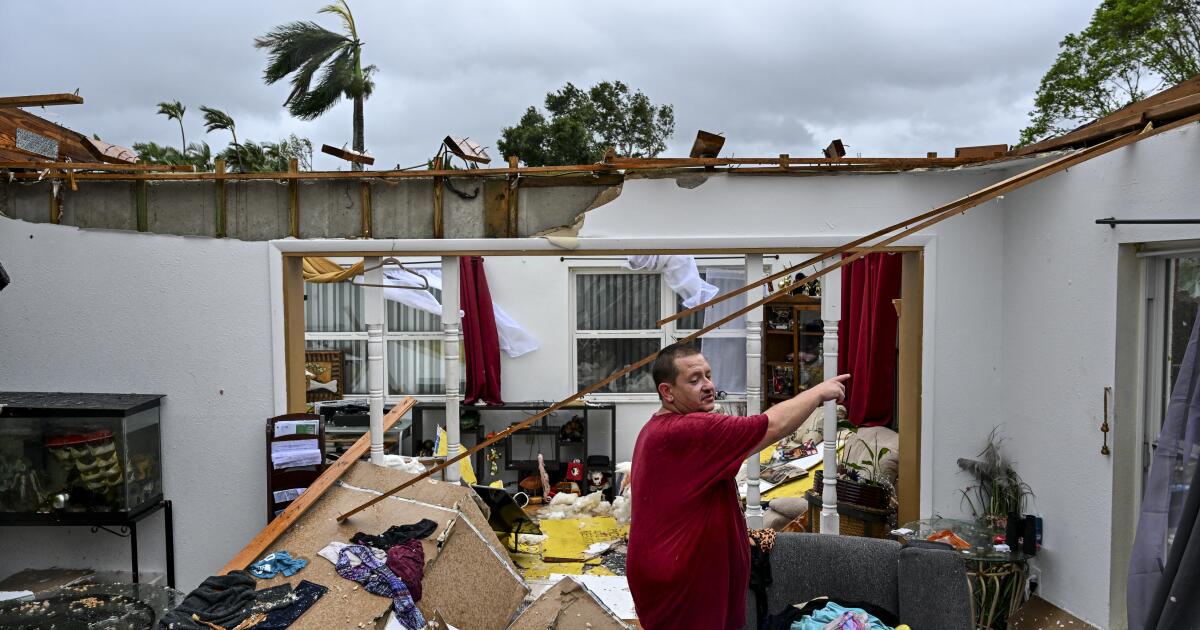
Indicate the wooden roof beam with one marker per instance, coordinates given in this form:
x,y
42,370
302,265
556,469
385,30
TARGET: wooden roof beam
x,y
37,100
99,166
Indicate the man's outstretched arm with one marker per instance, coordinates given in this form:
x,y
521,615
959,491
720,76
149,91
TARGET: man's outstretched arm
x,y
787,416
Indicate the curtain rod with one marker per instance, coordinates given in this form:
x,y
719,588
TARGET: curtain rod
x,y
565,258
1113,223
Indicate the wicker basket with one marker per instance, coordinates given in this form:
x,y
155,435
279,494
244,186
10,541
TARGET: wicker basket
x,y
856,520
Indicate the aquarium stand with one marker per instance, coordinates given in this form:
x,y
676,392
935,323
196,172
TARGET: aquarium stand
x,y
126,520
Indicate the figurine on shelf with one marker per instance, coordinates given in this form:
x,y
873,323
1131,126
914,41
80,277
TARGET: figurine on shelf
x,y
575,471
572,431
598,482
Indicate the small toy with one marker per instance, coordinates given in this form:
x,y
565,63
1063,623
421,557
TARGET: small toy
x,y
598,482
575,471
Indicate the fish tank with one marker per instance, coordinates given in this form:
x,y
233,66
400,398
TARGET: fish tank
x,y
66,456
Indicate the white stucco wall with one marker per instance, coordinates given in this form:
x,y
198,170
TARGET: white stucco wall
x,y
1059,338
122,312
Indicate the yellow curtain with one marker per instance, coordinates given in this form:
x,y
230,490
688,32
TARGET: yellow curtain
x,y
324,270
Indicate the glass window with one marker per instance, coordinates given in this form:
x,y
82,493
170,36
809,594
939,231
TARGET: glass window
x,y
354,355
336,307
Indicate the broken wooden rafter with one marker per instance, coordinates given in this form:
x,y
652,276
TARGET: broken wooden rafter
x,y
39,100
348,155
922,221
99,166
297,508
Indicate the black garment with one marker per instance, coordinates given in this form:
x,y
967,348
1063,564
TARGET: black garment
x,y
225,600
396,534
306,594
760,579
784,619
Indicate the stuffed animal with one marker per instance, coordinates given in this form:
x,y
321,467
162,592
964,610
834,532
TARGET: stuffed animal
x,y
598,481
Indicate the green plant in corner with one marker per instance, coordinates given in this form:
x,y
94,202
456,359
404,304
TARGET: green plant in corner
x,y
869,469
997,490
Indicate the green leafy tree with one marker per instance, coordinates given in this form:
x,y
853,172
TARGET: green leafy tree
x,y
198,155
301,49
582,125
174,111
215,119
1130,48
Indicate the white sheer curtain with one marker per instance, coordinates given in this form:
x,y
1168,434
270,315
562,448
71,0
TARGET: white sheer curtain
x,y
726,355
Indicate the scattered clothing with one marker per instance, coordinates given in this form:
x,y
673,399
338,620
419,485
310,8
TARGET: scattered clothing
x,y
225,601
331,552
304,596
375,577
276,563
690,526
396,534
784,619
836,617
407,561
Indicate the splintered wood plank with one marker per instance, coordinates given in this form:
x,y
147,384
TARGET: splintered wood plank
x,y
36,100
277,527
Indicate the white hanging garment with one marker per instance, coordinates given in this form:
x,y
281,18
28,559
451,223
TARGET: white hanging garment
x,y
514,340
681,274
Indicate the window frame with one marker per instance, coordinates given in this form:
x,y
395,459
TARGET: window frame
x,y
667,335
388,336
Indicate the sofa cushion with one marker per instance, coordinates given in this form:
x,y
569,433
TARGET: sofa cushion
x,y
933,590
804,566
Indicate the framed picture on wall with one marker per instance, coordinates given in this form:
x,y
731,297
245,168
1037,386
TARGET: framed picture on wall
x,y
324,374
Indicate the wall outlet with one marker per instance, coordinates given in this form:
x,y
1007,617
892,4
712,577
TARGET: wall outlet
x,y
1033,580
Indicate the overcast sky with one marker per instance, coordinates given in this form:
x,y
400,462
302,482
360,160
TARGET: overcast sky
x,y
889,78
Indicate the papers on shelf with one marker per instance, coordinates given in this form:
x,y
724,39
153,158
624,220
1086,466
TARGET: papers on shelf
x,y
295,453
295,427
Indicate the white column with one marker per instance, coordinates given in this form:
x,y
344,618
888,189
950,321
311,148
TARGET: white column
x,y
373,317
831,313
450,350
754,271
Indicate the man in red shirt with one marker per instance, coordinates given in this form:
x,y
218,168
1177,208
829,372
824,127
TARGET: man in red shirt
x,y
689,554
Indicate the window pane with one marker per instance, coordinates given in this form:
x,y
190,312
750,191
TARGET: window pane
x,y
354,355
415,367
598,358
405,318
1185,298
616,301
333,307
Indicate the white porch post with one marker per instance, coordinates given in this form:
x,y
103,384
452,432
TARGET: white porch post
x,y
754,271
831,312
450,351
373,317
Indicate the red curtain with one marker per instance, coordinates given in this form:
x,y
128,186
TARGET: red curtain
x,y
867,337
481,345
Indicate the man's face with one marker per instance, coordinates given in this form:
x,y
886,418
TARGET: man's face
x,y
693,389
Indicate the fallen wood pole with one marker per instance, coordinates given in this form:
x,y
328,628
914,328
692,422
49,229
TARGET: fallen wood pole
x,y
927,219
277,527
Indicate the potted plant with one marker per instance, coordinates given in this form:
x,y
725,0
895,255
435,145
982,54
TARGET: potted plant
x,y
997,490
863,482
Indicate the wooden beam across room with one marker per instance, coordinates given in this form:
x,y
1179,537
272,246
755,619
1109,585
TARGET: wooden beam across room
x,y
38,100
100,166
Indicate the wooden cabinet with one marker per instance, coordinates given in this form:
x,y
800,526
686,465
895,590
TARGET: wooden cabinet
x,y
792,357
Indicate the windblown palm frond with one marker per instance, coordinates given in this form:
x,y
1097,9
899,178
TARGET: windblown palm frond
x,y
324,66
174,111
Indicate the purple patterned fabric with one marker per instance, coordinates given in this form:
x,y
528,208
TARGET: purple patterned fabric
x,y
376,578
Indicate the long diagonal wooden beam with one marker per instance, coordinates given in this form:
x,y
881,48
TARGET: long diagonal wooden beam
x,y
922,221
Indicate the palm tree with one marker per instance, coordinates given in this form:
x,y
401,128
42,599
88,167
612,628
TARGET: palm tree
x,y
215,119
174,111
301,49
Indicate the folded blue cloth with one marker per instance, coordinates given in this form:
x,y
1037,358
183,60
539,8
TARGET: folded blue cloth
x,y
275,563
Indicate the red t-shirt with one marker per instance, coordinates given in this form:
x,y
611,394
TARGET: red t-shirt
x,y
689,556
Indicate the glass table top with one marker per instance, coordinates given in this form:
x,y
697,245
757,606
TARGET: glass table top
x,y
978,539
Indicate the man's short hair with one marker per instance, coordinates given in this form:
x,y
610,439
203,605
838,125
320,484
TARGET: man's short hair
x,y
663,369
